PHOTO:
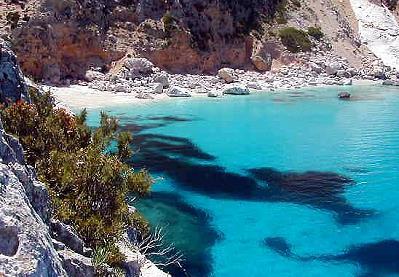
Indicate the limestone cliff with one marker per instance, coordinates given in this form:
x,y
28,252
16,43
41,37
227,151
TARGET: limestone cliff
x,y
61,39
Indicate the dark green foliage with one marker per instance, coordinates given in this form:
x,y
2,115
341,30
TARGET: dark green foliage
x,y
315,32
87,182
392,4
295,40
13,19
296,3
169,23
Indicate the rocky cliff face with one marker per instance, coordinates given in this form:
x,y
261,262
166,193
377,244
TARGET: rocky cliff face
x,y
12,84
61,39
26,247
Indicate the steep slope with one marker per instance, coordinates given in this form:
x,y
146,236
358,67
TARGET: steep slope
x,y
379,30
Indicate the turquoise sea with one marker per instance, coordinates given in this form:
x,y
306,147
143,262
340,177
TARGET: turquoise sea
x,y
295,183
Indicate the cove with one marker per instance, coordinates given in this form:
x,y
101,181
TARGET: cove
x,y
248,182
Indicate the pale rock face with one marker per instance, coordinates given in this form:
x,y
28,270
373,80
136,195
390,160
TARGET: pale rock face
x,y
379,30
227,74
25,244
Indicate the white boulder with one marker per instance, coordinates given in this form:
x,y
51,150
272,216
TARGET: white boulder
x,y
178,92
215,93
138,66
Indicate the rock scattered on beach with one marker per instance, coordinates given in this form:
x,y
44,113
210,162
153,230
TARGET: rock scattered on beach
x,y
178,92
236,90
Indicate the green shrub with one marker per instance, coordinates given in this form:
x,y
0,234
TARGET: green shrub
x,y
296,3
315,32
295,40
169,22
13,19
88,183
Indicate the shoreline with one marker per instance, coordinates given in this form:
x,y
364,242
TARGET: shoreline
x,y
76,97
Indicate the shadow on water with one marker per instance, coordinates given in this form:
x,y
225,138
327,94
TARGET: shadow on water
x,y
189,166
323,190
375,259
188,228
192,169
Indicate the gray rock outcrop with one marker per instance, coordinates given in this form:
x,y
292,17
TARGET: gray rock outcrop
x,y
12,84
26,247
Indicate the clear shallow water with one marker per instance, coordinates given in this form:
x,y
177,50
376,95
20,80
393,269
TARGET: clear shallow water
x,y
285,184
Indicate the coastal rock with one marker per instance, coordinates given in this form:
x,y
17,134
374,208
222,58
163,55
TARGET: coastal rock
x,y
138,66
236,90
136,264
379,72
178,92
316,68
332,68
52,73
26,247
388,82
227,75
262,62
215,93
12,85
344,95
254,85
143,95
67,235
347,82
76,265
92,75
157,88
162,79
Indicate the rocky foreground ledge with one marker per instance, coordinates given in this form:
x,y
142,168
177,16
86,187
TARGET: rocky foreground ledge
x,y
32,243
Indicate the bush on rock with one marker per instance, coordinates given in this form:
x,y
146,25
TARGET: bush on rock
x,y
87,181
295,40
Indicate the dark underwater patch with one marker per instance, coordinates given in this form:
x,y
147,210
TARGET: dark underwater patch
x,y
279,245
322,190
192,169
181,160
186,226
375,259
